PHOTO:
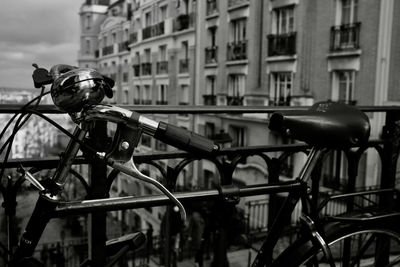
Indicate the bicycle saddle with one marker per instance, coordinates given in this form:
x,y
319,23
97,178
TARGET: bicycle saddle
x,y
325,124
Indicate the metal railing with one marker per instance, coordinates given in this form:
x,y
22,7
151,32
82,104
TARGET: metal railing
x,y
237,50
345,37
282,44
257,215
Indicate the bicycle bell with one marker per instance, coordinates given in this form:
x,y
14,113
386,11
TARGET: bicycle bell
x,y
78,88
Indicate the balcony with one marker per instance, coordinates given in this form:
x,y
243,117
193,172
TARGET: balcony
x,y
161,102
345,37
184,65
212,7
153,31
107,50
137,101
211,54
124,46
209,100
183,22
234,100
237,50
136,70
253,218
282,44
146,68
162,67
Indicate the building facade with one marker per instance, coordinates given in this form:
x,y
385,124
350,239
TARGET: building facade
x,y
248,53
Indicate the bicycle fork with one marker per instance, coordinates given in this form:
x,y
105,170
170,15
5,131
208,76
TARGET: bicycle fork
x,y
46,203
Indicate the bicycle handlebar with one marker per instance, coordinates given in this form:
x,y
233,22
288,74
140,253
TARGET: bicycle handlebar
x,y
170,134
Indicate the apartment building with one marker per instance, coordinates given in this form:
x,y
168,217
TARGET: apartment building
x,y
247,53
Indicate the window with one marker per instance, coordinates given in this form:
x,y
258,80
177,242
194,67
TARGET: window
x,y
185,48
87,47
125,77
212,33
283,20
238,135
147,94
126,97
184,94
238,30
281,87
209,130
163,13
210,85
162,94
114,37
88,21
146,140
137,97
161,146
347,11
343,85
236,88
147,19
147,55
162,51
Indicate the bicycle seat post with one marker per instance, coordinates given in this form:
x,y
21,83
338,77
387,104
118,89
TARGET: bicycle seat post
x,y
309,165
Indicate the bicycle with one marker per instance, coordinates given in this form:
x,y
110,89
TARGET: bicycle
x,y
325,125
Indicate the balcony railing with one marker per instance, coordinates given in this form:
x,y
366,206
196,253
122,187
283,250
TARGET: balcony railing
x,y
233,3
162,67
212,7
153,30
234,100
107,50
184,65
255,222
137,101
282,44
345,37
161,102
237,50
124,46
183,22
210,100
146,68
211,54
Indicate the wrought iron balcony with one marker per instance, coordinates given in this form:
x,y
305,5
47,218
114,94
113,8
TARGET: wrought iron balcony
x,y
107,50
146,68
210,100
345,37
162,67
282,44
184,65
234,100
255,218
153,30
161,102
237,50
124,46
183,22
211,54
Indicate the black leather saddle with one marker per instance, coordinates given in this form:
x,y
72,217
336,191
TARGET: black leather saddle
x,y
325,124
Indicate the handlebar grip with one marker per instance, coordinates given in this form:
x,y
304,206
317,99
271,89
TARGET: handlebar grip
x,y
184,139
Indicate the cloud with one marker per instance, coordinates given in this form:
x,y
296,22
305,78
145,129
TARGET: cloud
x,y
45,32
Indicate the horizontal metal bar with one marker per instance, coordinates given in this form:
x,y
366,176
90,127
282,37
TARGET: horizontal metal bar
x,y
123,203
169,109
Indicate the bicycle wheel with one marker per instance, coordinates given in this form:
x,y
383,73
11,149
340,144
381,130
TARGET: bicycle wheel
x,y
351,244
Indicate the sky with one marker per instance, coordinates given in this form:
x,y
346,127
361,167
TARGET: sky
x,y
45,32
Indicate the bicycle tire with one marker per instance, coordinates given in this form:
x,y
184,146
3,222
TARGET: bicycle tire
x,y
305,253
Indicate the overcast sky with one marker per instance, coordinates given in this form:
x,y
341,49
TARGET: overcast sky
x,y
45,32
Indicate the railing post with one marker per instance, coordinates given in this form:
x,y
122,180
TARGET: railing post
x,y
390,133
97,231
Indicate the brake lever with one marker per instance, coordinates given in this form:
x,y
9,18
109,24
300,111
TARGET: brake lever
x,y
130,169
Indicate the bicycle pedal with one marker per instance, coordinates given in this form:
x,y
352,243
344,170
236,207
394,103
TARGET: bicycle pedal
x,y
134,241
